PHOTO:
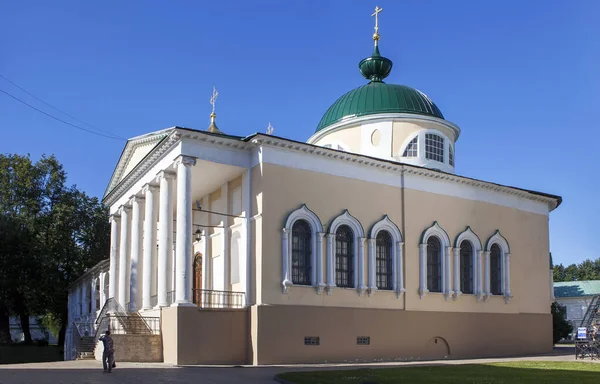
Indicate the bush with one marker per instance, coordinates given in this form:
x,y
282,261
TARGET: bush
x,y
560,326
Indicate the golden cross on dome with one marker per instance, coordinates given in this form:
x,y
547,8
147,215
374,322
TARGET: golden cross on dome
x,y
376,14
214,98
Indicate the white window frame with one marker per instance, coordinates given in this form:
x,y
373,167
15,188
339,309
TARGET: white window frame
x,y
421,159
388,225
407,143
498,239
336,144
468,235
303,213
444,147
359,237
442,235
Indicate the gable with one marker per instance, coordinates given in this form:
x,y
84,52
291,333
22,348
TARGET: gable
x,y
134,152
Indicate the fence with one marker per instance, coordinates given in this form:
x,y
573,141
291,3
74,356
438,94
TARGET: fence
x,y
206,298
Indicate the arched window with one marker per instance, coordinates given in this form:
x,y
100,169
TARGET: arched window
x,y
344,257
450,155
301,253
383,259
466,267
496,270
412,148
434,147
434,264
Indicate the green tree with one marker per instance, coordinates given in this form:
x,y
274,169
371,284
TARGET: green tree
x,y
560,326
49,235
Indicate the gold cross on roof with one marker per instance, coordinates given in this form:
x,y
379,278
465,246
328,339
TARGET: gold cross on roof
x,y
214,98
376,14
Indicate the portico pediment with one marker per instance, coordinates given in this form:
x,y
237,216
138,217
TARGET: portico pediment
x,y
134,152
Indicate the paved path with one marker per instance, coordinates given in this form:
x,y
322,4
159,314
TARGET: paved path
x,y
90,372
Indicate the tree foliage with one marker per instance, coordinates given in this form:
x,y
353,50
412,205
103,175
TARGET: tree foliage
x,y
50,233
586,270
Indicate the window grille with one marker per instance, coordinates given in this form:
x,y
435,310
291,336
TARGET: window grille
x,y
344,257
301,253
363,340
496,270
451,155
383,260
434,147
434,264
466,267
412,148
312,340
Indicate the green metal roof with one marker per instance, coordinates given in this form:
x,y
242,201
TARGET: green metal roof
x,y
377,96
577,288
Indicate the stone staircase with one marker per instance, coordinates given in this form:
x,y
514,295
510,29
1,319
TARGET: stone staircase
x,y
86,348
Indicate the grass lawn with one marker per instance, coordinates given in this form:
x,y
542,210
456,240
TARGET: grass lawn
x,y
29,354
525,372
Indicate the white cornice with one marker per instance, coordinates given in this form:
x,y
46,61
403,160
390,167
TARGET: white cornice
x,y
410,117
130,147
400,167
140,169
175,135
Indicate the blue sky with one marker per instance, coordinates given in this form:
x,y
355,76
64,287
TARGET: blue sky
x,y
519,77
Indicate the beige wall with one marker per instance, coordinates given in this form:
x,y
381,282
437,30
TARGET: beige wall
x,y
401,131
328,196
349,137
200,336
134,348
395,335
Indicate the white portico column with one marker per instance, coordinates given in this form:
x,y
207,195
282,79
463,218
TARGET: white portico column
x,y
183,245
123,255
114,256
165,233
93,285
150,219
136,268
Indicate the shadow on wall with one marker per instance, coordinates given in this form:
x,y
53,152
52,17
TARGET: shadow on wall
x,y
437,348
568,290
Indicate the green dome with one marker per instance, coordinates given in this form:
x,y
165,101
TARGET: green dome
x,y
378,97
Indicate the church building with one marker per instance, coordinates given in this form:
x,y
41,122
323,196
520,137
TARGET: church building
x,y
360,244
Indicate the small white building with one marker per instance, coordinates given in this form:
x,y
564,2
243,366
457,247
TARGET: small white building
x,y
87,295
576,296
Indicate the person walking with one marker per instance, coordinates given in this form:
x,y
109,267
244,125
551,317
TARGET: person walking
x,y
108,355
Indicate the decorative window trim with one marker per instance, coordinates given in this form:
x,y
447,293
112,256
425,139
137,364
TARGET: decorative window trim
x,y
471,236
498,239
303,213
359,237
442,235
397,260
